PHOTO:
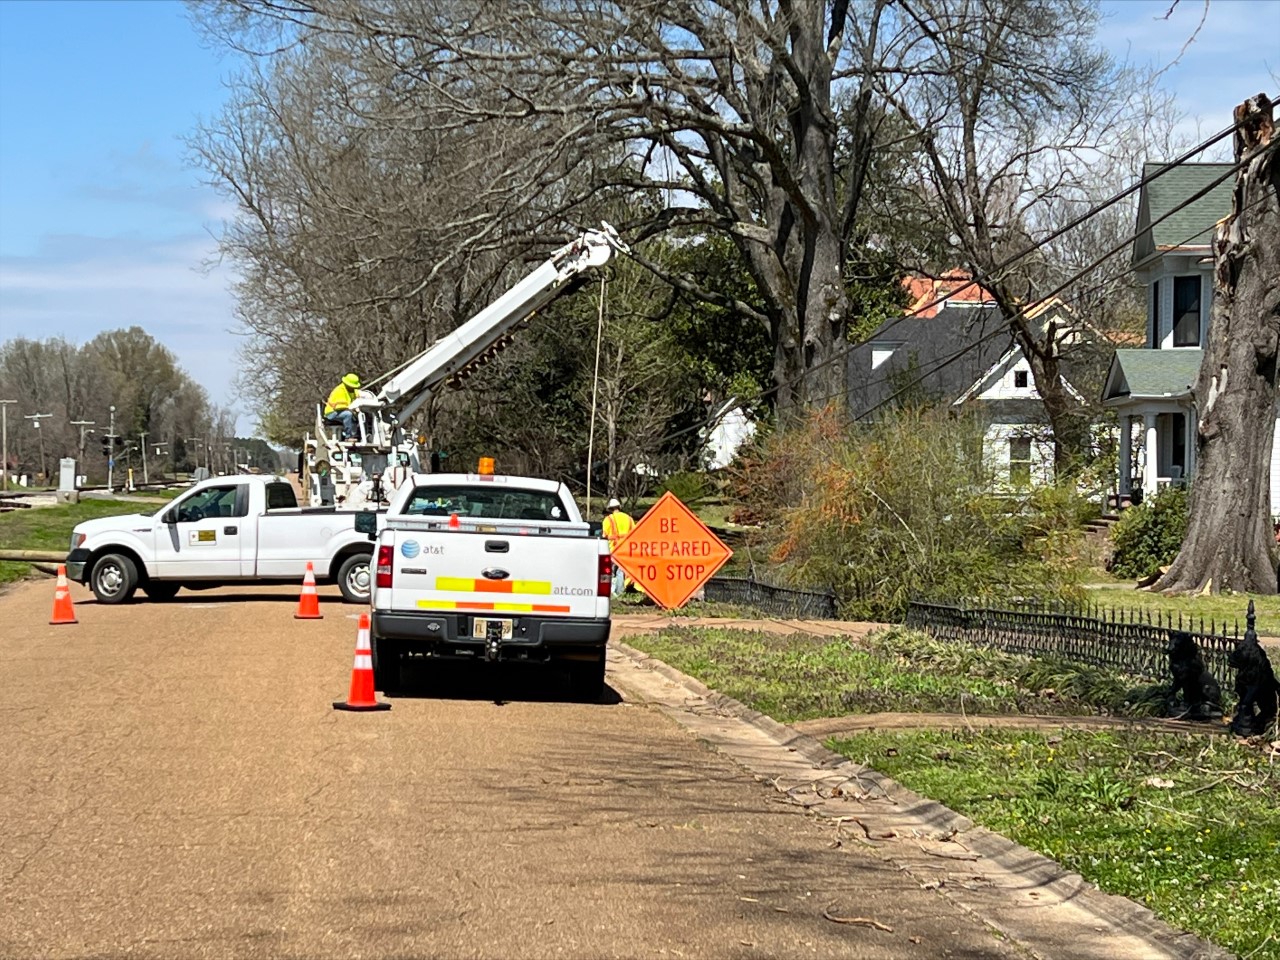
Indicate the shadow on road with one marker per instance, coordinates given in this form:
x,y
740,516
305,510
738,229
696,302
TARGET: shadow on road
x,y
497,682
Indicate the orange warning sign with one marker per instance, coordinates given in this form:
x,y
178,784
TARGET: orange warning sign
x,y
670,553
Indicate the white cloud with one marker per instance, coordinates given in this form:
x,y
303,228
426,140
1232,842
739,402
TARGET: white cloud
x,y
77,287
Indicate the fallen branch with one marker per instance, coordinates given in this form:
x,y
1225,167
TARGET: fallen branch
x,y
858,921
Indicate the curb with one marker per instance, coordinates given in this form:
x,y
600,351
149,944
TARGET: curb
x,y
1115,909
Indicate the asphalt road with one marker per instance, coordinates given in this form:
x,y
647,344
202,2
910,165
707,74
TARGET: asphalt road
x,y
177,784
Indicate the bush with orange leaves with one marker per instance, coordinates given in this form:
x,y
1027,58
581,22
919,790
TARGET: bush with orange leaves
x,y
904,507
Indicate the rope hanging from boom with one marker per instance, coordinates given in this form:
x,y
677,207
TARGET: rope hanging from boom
x,y
595,390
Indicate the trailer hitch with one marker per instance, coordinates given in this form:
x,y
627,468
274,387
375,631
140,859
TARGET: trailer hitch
x,y
493,642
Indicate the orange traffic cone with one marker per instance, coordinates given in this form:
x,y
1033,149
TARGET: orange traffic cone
x,y
309,602
64,610
362,696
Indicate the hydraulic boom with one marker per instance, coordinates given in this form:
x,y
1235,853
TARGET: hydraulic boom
x,y
364,471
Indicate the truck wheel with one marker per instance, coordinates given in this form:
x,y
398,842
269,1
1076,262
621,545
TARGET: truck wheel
x,y
161,590
114,578
386,665
586,680
354,578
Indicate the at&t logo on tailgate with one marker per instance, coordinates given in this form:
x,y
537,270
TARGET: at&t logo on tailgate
x,y
410,549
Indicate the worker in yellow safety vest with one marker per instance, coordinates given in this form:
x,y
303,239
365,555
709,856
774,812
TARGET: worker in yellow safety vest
x,y
337,408
617,524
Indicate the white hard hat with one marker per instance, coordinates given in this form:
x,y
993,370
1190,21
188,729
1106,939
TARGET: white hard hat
x,y
613,504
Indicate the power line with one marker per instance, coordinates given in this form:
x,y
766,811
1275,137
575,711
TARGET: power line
x,y
1002,328
1094,211
973,346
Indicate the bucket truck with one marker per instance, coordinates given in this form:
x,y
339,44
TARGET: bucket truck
x,y
363,472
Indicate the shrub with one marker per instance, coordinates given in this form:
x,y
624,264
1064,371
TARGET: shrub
x,y
689,487
903,507
1149,536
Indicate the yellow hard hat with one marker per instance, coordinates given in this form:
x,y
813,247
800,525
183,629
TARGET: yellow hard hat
x,y
352,381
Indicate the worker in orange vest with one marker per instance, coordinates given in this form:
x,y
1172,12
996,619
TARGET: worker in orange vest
x,y
617,524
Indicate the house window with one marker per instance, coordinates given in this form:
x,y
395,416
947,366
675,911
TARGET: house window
x,y
1020,379
1153,324
1020,461
880,352
1186,311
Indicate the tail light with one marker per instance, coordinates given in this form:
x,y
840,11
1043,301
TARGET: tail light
x,y
384,566
604,585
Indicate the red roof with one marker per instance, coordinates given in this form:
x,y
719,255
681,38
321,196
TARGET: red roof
x,y
954,286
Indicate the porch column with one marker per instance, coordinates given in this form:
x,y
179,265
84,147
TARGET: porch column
x,y
1151,469
1126,455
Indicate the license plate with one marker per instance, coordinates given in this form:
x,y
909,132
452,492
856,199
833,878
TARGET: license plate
x,y
480,628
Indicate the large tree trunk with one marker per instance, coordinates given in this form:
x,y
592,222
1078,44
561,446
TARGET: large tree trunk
x,y
1229,543
801,271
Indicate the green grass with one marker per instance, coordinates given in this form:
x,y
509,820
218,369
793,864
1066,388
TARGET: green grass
x,y
800,677
1221,608
1188,825
49,528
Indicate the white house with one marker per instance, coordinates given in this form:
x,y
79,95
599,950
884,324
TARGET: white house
x,y
1151,388
960,352
730,429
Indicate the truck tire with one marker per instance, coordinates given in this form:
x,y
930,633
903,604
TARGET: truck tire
x,y
586,679
354,578
114,578
386,665
161,591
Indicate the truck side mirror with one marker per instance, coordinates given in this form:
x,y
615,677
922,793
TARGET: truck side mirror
x,y
367,523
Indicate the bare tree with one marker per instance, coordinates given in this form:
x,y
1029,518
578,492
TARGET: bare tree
x,y
414,140
1018,117
124,368
758,122
374,214
1228,545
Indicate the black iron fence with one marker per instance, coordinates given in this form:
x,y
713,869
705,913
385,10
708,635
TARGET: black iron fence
x,y
1132,641
775,601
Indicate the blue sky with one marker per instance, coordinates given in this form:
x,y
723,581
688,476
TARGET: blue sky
x,y
103,224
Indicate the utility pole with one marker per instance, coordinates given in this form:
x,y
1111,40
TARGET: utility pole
x,y
143,437
4,442
35,419
161,452
80,465
111,457
206,453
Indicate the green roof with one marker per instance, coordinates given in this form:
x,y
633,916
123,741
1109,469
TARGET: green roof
x,y
1193,224
1151,374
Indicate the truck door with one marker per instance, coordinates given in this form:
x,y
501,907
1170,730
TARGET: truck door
x,y
201,536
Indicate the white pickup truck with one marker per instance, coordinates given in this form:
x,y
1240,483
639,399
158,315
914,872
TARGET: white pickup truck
x,y
225,530
488,568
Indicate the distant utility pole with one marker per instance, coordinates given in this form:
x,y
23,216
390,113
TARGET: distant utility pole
x,y
143,437
35,419
111,455
4,443
206,452
161,452
82,424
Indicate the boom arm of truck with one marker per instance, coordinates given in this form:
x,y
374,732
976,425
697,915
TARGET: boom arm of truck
x,y
361,471
479,338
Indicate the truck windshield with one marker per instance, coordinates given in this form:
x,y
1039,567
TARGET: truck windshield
x,y
490,501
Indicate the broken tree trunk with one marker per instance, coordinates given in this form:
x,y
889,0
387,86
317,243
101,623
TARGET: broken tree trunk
x,y
1229,543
